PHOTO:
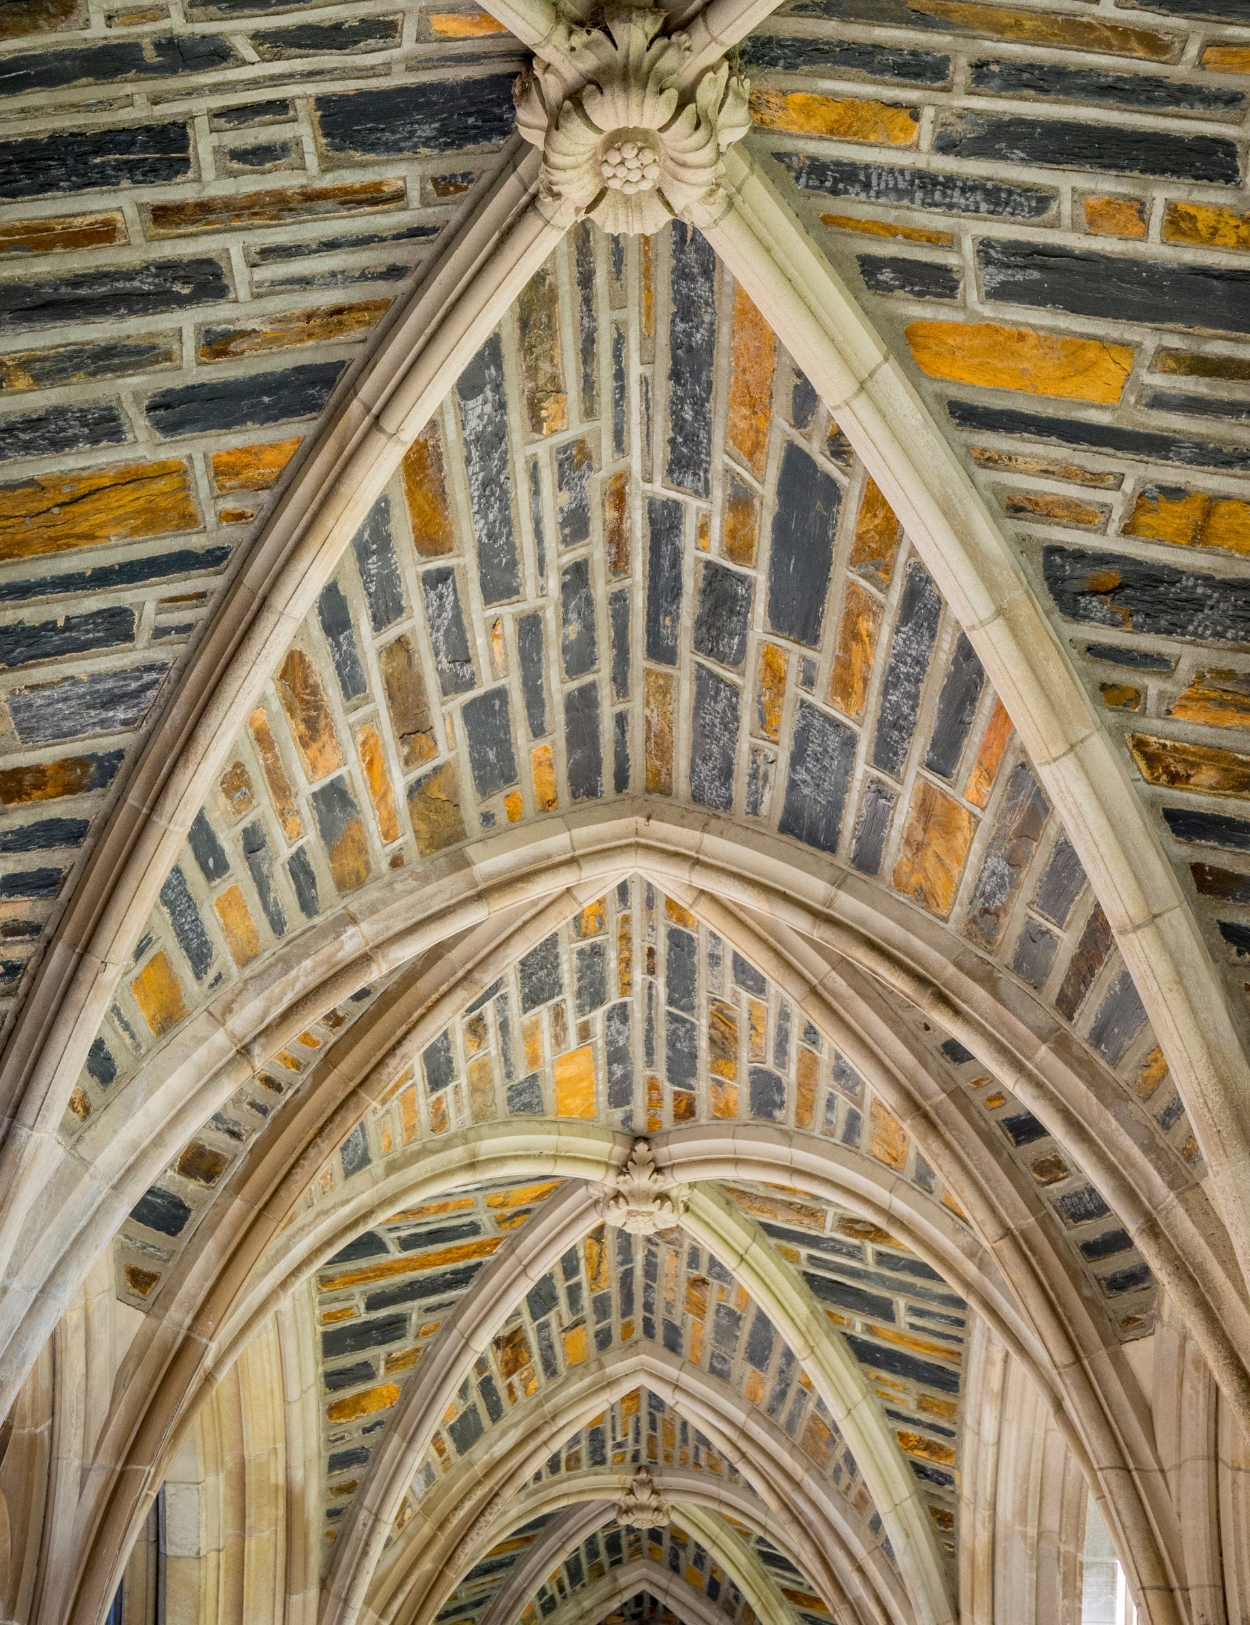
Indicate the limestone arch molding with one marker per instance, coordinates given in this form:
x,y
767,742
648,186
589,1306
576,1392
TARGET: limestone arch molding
x,y
619,1585
824,941
417,360
444,1538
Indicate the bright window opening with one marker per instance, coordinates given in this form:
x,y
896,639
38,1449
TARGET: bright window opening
x,y
1105,1598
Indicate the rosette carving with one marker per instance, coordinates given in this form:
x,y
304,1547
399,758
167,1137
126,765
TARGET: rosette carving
x,y
642,1506
624,139
642,1198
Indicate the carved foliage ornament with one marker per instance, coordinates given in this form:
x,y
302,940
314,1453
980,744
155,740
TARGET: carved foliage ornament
x,y
641,1198
642,1506
624,139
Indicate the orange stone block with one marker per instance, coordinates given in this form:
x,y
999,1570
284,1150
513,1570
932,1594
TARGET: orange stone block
x,y
574,1073
275,775
753,357
1206,225
935,843
236,790
378,780
616,523
770,689
1226,59
674,911
888,228
1115,216
367,1403
1151,1073
538,311
52,513
1216,697
483,1107
303,699
874,546
407,703
238,925
274,207
844,118
741,526
1051,505
465,24
425,487
543,769
521,1195
658,731
998,357
140,1281
989,756
1179,765
385,1269
287,329
1120,696
887,1138
1051,29
200,1163
807,1075
916,1444
722,1040
1190,519
158,993
723,1099
1016,462
855,651
624,956
56,234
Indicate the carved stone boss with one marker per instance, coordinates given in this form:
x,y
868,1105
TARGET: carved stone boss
x,y
642,1198
625,139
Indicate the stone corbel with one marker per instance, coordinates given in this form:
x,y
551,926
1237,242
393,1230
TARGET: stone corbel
x,y
642,1198
631,120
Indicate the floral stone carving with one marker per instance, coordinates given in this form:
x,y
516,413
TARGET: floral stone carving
x,y
641,1198
642,1506
624,139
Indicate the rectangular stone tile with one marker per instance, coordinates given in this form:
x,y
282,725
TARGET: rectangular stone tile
x,y
1114,216
188,926
1179,765
402,120
62,428
957,706
872,827
49,781
57,234
139,155
372,757
425,487
578,644
1190,518
155,56
286,329
1018,829
998,357
487,722
235,403
1064,144
22,642
482,393
274,206
122,292
741,522
1149,92
616,539
723,617
449,642
935,844
1087,960
45,834
275,775
102,702
1114,286
238,926
916,188
354,36
665,518
753,359
374,550
619,612
79,363
844,59
407,702
843,118
312,727
584,236
538,316
801,547
575,465
1114,589
822,760
342,833
1155,446
434,807
1120,1018
692,344
1059,31
158,993
915,630
915,278
714,740
1219,699
252,468
583,743
658,726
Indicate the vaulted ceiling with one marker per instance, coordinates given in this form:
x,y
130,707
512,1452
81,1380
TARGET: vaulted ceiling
x,y
511,728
